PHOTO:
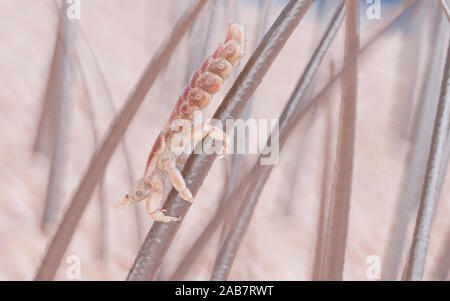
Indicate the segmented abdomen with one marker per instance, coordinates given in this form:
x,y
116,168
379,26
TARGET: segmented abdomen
x,y
204,83
208,80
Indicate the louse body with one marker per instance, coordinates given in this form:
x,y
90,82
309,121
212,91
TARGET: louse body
x,y
180,131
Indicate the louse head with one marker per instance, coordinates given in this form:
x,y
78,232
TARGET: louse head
x,y
140,191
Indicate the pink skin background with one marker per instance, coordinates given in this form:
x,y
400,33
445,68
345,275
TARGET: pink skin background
x,y
124,36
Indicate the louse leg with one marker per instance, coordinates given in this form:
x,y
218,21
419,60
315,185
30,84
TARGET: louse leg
x,y
158,216
184,138
178,181
197,134
182,159
155,198
201,131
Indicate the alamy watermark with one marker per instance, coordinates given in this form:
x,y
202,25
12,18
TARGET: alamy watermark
x,y
373,12
73,9
73,270
252,136
373,272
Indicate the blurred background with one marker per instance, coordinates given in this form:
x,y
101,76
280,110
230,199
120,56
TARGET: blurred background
x,y
60,92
